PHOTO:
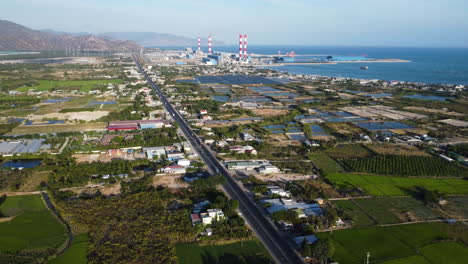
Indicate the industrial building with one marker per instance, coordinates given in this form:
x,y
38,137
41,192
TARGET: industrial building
x,y
22,146
137,124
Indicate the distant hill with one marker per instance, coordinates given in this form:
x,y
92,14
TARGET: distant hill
x,y
154,39
15,37
55,32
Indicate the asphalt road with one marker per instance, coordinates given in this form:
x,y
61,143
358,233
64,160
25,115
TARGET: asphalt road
x,y
280,250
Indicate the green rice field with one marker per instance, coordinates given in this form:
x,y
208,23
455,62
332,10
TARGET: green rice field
x,y
387,210
248,252
396,244
327,164
32,226
76,253
376,185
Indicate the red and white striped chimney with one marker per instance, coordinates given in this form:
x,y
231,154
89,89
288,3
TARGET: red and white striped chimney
x,y
209,45
245,46
240,46
199,44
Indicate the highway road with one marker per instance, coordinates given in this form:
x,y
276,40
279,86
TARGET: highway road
x,y
275,243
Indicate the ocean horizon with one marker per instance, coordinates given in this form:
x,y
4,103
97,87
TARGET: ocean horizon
x,y
427,65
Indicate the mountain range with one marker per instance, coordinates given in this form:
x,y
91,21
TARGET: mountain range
x,y
15,37
155,39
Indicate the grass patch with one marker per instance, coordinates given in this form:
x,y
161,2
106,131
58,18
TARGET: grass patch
x,y
349,151
81,85
395,244
327,164
244,252
445,253
33,226
76,253
415,259
395,186
407,166
72,110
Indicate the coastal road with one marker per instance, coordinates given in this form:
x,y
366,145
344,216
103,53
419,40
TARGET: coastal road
x,y
275,243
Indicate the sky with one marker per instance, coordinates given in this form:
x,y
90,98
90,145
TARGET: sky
x,y
420,23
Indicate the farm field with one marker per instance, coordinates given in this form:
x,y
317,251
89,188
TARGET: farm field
x,y
445,253
76,254
397,150
81,85
33,228
327,164
376,185
407,166
349,151
360,219
457,206
249,252
388,210
58,128
352,245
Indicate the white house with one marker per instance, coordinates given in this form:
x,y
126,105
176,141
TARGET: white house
x,y
174,169
183,162
266,169
275,190
243,149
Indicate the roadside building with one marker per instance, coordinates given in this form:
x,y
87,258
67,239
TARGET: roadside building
x,y
174,169
154,152
245,164
266,169
243,150
175,155
195,219
275,190
308,239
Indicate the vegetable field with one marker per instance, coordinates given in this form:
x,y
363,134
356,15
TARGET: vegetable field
x,y
407,166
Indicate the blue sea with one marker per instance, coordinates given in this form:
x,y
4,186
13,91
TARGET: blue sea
x,y
428,65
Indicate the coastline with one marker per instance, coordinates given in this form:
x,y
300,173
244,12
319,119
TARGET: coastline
x,y
336,62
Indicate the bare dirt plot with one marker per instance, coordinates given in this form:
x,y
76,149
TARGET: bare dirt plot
x,y
283,177
57,128
325,138
6,219
454,122
84,115
432,110
327,189
345,129
270,112
393,149
171,181
110,189
82,158
381,111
